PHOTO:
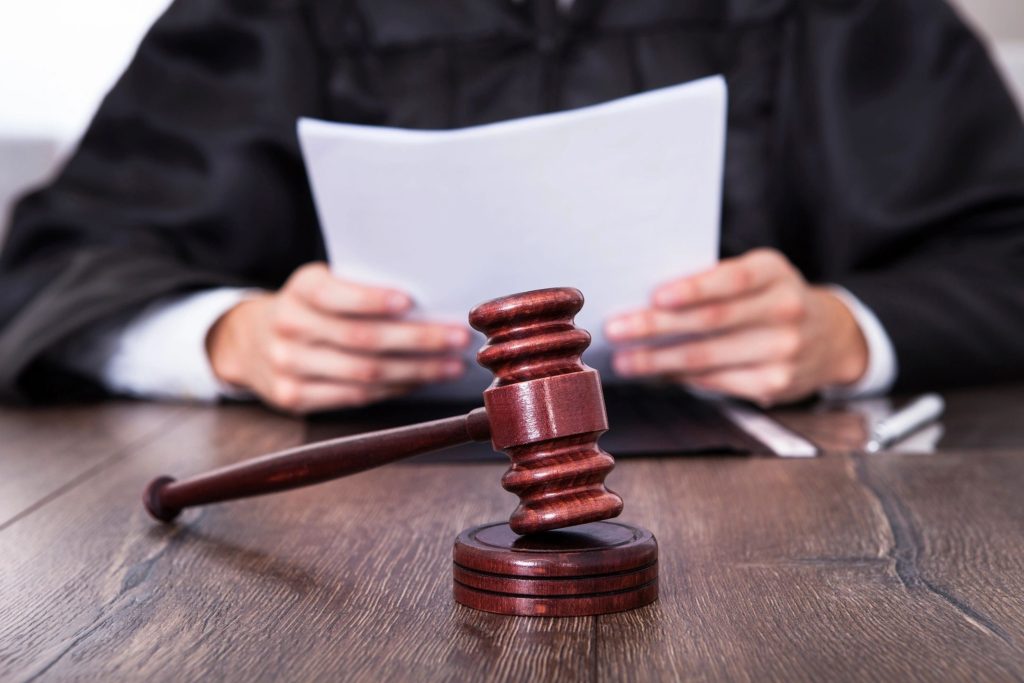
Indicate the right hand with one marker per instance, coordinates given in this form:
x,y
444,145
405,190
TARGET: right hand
x,y
322,342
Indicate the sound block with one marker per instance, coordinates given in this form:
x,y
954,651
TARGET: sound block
x,y
594,568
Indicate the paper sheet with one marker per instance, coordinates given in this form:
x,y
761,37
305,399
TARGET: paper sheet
x,y
612,199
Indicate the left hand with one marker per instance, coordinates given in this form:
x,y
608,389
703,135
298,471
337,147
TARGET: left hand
x,y
754,329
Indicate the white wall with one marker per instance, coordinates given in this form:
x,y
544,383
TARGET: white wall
x,y
58,57
1002,20
57,60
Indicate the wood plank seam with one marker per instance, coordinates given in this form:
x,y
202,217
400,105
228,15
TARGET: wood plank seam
x,y
91,472
906,544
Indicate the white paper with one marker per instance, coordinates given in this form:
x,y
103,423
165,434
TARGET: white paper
x,y
612,199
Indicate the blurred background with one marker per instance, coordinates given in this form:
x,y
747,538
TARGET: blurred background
x,y
59,57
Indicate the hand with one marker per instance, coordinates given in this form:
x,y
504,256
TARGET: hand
x,y
753,329
322,342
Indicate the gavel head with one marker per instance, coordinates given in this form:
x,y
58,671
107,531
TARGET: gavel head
x,y
546,409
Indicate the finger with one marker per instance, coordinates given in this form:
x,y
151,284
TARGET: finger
x,y
298,396
763,384
743,347
730,278
309,325
329,364
774,305
317,286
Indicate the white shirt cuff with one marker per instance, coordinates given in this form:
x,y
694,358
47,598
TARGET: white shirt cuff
x,y
161,352
882,368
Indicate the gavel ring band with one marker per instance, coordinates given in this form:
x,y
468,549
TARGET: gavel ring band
x,y
546,408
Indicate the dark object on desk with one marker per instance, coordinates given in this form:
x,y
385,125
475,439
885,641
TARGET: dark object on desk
x,y
544,409
649,420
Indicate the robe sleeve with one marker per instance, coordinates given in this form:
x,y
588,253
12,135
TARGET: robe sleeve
x,y
188,177
906,154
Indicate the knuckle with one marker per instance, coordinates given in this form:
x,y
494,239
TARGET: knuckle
x,y
773,261
280,355
284,322
742,277
714,315
427,371
780,379
426,337
360,335
790,344
692,289
640,361
646,323
307,274
368,371
791,307
698,356
313,267
770,256
320,296
286,393
359,299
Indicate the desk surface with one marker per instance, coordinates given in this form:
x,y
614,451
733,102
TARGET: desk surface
x,y
886,567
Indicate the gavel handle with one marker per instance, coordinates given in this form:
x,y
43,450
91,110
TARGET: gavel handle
x,y
165,497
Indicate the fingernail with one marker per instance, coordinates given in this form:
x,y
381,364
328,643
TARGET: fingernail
x,y
623,364
458,336
398,302
453,368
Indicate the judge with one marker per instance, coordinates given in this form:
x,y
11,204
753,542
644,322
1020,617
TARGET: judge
x,y
873,216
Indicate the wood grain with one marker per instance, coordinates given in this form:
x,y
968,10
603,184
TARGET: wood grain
x,y
843,567
337,570
958,532
43,453
790,570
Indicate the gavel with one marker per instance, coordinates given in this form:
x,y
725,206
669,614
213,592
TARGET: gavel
x,y
544,409
557,555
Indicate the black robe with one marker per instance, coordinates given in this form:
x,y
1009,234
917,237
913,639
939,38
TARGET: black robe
x,y
869,140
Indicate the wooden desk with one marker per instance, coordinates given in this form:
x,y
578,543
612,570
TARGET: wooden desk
x,y
889,567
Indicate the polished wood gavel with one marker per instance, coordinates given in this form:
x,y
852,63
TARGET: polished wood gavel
x,y
545,410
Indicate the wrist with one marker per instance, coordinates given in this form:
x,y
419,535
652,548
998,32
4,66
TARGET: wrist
x,y
848,362
226,342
